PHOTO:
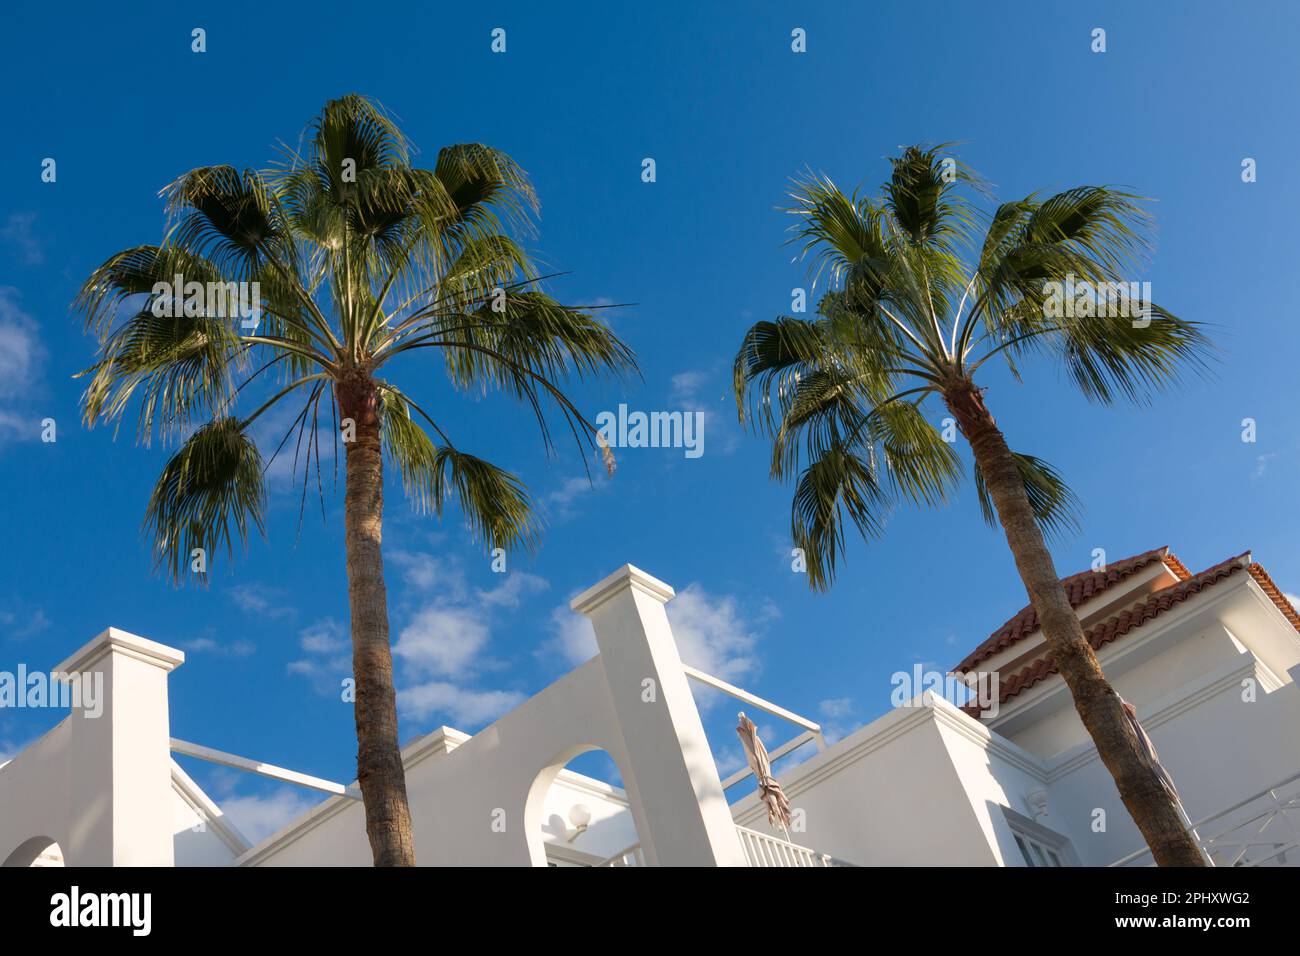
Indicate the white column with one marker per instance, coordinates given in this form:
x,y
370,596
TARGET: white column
x,y
684,818
119,760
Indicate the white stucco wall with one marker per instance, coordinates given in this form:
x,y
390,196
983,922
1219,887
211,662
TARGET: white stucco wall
x,y
889,794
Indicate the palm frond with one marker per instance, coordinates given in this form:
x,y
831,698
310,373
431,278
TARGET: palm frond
x,y
1056,508
209,494
178,367
838,484
495,503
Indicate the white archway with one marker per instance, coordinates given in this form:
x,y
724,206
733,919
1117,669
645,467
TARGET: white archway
x,y
580,816
38,851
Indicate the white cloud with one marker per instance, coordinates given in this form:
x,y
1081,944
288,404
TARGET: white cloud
x,y
208,645
1294,599
327,662
442,641
563,503
837,722
706,390
513,589
19,625
326,636
713,634
573,640
711,631
426,574
261,601
22,357
257,817
462,705
836,707
17,232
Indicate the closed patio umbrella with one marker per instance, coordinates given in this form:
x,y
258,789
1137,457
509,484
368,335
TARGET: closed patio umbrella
x,y
1149,751
778,806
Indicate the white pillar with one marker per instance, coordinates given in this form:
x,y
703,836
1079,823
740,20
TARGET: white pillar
x,y
119,762
684,819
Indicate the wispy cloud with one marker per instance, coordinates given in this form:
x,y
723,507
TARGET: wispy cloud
x,y
442,650
18,234
707,390
23,624
325,661
258,815
259,600
837,718
463,706
209,645
22,357
564,502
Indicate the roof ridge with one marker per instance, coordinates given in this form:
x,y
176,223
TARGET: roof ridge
x,y
1079,587
1130,619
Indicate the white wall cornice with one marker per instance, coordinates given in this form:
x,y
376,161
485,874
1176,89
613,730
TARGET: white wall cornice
x,y
123,642
626,577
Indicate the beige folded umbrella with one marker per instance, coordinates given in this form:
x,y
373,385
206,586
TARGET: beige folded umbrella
x,y
1166,781
1149,751
778,806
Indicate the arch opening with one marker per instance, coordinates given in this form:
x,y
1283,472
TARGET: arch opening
x,y
578,813
39,851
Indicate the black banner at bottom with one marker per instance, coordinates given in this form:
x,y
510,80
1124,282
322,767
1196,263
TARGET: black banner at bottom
x,y
339,905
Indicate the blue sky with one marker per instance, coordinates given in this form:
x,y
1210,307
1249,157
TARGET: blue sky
x,y
729,113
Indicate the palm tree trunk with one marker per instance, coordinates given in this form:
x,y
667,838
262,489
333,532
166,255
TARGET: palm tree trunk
x,y
1099,707
379,760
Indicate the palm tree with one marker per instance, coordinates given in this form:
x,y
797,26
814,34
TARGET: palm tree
x,y
355,257
841,396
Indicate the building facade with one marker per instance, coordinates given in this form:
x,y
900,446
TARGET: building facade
x,y
1210,661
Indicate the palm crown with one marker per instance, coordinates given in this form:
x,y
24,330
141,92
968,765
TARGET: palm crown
x,y
359,257
920,298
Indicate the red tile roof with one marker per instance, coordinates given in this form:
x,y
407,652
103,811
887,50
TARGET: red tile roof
x,y
1078,588
1131,619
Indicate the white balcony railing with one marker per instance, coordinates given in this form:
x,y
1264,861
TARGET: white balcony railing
x,y
632,856
762,849
1262,830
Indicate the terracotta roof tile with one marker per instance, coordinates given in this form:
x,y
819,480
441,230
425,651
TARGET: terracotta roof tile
x,y
1078,588
1131,619
1275,594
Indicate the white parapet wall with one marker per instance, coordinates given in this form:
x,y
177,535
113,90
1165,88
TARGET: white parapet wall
x,y
491,799
99,785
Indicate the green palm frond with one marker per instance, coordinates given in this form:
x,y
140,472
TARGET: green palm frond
x,y
137,272
178,367
350,255
226,216
922,196
917,302
1119,356
209,494
495,503
835,486
530,330
1056,508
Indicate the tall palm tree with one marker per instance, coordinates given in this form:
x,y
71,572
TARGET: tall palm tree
x,y
359,257
920,298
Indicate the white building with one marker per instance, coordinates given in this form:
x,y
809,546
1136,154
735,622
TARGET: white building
x,y
1211,662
